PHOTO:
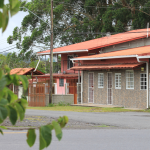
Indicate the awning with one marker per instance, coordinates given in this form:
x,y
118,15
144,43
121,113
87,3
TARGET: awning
x,y
108,66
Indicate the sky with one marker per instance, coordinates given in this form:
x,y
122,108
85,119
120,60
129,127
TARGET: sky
x,y
14,21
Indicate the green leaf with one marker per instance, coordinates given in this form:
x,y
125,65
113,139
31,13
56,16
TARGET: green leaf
x,y
9,79
5,18
42,141
1,3
24,102
31,137
12,115
3,102
11,96
63,121
16,79
15,7
24,80
57,129
20,110
3,83
45,132
3,113
3,127
1,131
1,72
1,19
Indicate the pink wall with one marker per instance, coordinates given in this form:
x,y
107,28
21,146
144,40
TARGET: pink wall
x,y
64,60
60,89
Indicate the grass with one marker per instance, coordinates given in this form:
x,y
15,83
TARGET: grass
x,y
86,109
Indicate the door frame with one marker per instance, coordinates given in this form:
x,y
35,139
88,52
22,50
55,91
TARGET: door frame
x,y
88,87
112,88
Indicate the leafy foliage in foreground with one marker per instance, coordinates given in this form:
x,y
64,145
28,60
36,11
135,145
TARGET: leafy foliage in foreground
x,y
14,108
12,7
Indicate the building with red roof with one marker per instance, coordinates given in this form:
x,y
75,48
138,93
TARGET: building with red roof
x,y
119,78
117,52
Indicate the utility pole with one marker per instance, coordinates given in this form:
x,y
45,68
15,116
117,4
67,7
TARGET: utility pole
x,y
51,56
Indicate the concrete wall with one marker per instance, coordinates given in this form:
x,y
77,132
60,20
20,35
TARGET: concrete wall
x,y
58,98
129,98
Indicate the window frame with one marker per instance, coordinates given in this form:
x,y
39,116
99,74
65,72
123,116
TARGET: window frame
x,y
99,80
119,79
143,82
131,71
60,82
68,61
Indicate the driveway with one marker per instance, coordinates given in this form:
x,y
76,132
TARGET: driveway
x,y
130,120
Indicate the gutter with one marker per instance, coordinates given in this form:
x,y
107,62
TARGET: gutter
x,y
73,51
37,64
147,74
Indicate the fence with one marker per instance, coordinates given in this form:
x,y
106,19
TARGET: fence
x,y
36,94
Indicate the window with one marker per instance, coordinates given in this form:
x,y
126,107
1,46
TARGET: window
x,y
100,80
129,79
117,80
69,62
61,82
143,81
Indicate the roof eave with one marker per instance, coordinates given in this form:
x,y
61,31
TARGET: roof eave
x,y
63,52
99,58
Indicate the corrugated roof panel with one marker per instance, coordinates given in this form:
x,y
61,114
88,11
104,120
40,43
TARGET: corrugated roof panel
x,y
113,66
104,41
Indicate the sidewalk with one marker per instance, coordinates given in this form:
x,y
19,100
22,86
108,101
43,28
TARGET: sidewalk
x,y
95,105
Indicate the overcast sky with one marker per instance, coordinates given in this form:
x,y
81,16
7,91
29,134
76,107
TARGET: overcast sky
x,y
14,21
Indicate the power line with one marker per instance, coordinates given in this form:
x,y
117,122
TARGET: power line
x,y
8,50
7,47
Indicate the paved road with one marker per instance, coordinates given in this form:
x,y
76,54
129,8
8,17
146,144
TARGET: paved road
x,y
133,120
102,139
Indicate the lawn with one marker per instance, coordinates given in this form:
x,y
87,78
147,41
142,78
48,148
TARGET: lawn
x,y
86,109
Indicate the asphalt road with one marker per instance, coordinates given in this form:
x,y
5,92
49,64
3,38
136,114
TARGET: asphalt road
x,y
102,139
129,120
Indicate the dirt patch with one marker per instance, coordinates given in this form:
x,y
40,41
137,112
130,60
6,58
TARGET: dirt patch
x,y
36,121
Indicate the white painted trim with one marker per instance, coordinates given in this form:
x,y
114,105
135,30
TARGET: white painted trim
x,y
126,80
141,57
140,81
99,58
37,64
88,87
81,87
62,52
111,88
55,85
118,81
99,79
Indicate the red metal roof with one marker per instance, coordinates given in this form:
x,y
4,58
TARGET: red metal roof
x,y
140,51
110,66
25,71
102,42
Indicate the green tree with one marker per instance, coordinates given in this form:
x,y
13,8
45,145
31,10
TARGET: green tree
x,y
2,61
78,20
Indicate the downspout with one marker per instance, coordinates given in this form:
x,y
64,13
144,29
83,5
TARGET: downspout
x,y
147,74
37,63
